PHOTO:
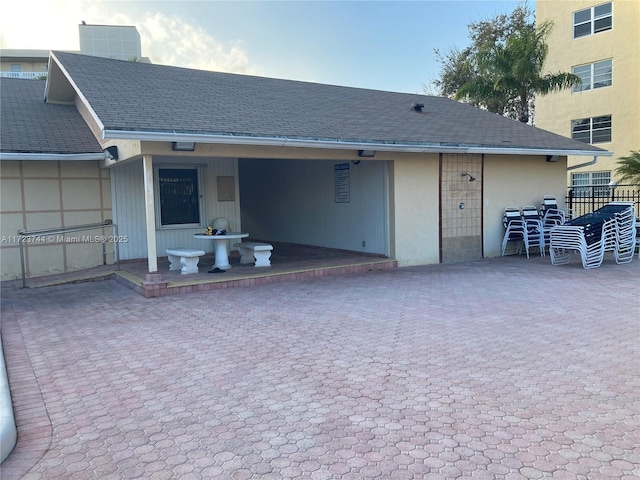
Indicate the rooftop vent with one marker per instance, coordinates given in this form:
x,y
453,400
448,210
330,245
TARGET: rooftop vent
x,y
417,107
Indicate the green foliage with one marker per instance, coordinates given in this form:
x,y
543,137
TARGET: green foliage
x,y
629,167
502,69
460,66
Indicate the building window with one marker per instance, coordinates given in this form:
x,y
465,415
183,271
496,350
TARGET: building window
x,y
593,75
592,130
178,199
591,184
592,20
16,67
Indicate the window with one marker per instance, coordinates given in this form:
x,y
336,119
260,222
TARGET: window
x,y
591,184
16,67
178,197
592,130
592,20
594,75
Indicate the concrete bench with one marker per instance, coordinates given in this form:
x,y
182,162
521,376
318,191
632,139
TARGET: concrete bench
x,y
249,251
184,259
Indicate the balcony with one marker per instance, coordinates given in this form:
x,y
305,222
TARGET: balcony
x,y
27,75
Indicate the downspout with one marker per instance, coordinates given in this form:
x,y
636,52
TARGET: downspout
x,y
592,162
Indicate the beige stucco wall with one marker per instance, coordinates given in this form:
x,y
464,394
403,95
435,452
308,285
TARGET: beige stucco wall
x,y
25,66
50,194
39,195
621,100
517,181
506,180
414,222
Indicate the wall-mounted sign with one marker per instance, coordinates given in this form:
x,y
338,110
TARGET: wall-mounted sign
x,y
226,189
341,174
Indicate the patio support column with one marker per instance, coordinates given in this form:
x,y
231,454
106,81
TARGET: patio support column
x,y
150,213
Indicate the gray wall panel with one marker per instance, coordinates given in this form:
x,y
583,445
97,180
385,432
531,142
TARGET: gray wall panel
x,y
295,201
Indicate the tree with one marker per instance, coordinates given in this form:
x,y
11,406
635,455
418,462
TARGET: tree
x,y
502,69
629,167
459,66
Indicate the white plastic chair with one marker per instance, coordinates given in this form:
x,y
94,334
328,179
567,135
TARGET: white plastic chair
x,y
552,218
625,234
550,204
566,239
535,230
515,230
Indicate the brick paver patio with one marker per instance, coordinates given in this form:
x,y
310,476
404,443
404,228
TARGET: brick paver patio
x,y
506,368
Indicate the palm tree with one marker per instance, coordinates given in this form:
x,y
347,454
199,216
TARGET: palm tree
x,y
510,73
629,167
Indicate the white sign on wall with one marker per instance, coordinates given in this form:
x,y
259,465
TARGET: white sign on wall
x,y
341,174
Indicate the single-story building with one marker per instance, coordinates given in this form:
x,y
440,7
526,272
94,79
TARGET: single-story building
x,y
164,150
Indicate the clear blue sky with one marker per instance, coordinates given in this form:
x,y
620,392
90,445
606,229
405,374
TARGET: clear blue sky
x,y
386,45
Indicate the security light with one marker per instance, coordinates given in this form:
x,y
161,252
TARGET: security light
x,y
183,146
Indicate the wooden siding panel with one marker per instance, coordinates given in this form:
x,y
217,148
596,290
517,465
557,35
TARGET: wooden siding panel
x,y
128,198
128,209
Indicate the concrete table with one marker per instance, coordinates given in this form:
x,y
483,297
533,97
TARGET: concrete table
x,y
221,247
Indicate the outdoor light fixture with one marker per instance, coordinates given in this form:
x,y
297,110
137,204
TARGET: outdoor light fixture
x,y
612,185
366,153
112,151
471,179
183,146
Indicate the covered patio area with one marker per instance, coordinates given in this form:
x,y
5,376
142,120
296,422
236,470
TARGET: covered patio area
x,y
288,262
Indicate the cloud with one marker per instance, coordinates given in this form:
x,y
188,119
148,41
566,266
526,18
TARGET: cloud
x,y
174,41
41,25
167,40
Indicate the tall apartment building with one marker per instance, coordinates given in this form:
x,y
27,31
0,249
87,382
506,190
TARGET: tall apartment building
x,y
600,42
111,41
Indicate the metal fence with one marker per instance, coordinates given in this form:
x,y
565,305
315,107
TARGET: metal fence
x,y
582,200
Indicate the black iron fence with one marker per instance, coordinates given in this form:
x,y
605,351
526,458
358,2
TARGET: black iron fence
x,y
582,200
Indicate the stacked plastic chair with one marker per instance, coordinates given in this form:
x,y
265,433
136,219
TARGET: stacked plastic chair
x,y
551,217
550,207
535,230
611,228
625,233
549,202
567,239
515,230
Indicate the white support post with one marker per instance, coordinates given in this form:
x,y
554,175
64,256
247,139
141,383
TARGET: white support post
x,y
150,213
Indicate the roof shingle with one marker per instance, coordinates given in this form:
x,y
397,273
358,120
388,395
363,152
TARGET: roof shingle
x,y
30,125
140,97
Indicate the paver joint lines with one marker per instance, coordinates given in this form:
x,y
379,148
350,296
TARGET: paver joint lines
x,y
493,369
